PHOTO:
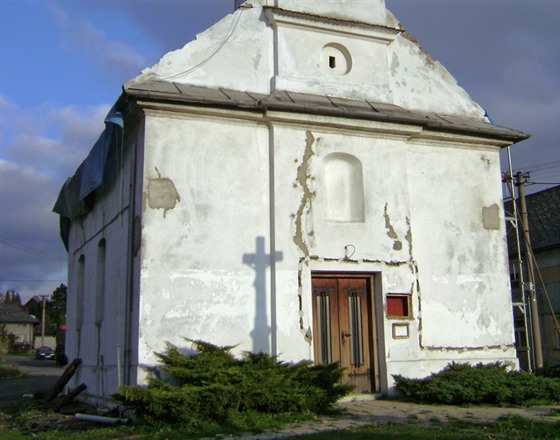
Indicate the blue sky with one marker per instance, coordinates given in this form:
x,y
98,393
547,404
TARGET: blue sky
x,y
62,64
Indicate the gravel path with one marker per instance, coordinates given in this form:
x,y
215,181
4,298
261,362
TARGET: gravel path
x,y
362,412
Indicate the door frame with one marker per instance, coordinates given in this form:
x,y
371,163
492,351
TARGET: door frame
x,y
373,315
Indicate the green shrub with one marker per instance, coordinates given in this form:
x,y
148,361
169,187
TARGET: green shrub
x,y
212,386
460,383
550,371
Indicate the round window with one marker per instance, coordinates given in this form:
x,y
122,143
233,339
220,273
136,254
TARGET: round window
x,y
335,59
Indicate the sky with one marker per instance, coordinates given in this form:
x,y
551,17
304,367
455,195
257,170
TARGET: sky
x,y
62,65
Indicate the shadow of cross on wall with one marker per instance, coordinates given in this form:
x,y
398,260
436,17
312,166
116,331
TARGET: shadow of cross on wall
x,y
262,331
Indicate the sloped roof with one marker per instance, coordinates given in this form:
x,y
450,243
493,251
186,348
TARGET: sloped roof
x,y
543,211
10,314
315,104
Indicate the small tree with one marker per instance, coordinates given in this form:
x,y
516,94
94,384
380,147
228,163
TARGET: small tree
x,y
4,343
56,305
11,297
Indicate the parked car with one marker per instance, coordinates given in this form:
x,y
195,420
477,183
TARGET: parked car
x,y
44,353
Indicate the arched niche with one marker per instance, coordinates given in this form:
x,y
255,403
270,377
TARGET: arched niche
x,y
344,188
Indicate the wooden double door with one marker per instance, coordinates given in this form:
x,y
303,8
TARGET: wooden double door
x,y
344,328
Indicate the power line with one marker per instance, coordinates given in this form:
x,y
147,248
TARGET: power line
x,y
33,281
231,30
28,245
554,164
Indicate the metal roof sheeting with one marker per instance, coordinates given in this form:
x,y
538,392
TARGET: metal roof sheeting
x,y
316,104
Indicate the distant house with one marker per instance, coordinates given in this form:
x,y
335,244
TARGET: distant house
x,y
34,306
17,323
543,211
302,180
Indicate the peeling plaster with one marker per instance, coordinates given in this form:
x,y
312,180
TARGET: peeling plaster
x,y
391,233
302,180
300,292
413,265
352,261
309,335
408,238
162,193
390,230
463,349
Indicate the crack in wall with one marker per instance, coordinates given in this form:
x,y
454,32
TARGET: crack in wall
x,y
300,292
408,238
361,260
463,349
302,178
416,281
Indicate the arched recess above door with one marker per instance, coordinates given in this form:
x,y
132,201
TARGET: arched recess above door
x,y
344,188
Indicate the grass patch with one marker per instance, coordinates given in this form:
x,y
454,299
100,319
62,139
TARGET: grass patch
x,y
32,423
507,428
8,370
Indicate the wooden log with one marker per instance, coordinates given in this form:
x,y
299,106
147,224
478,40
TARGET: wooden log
x,y
66,376
67,399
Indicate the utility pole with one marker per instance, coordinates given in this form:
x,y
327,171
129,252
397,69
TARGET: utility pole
x,y
43,321
520,182
522,305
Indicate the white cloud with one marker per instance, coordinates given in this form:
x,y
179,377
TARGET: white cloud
x,y
44,146
5,105
53,139
30,248
83,38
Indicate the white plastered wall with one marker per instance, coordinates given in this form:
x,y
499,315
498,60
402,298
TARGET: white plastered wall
x,y
198,272
200,277
427,229
262,52
101,345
